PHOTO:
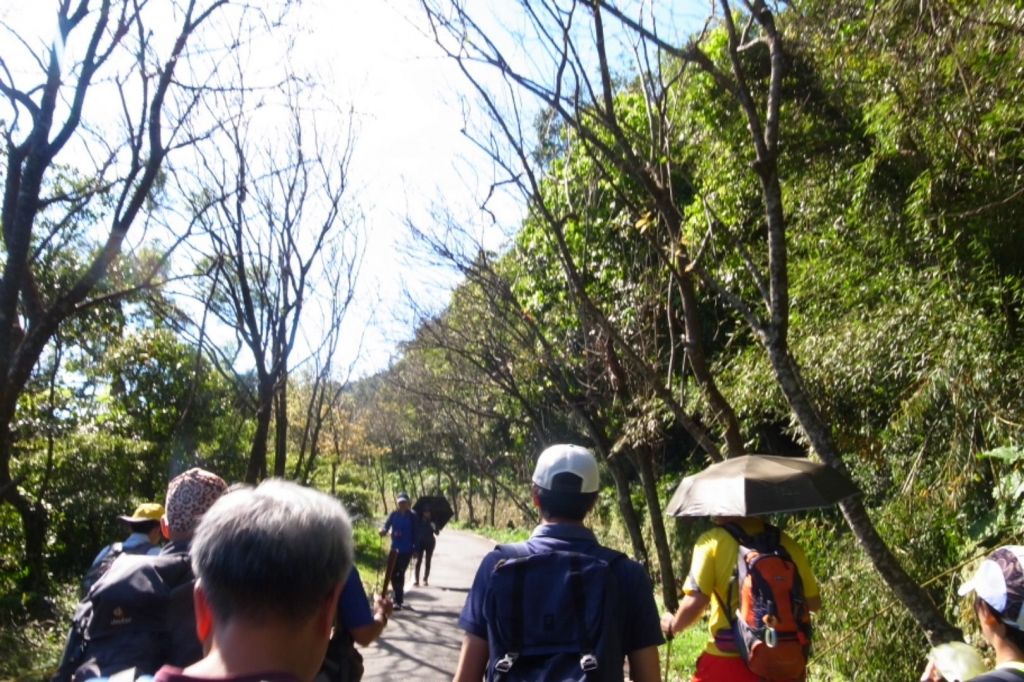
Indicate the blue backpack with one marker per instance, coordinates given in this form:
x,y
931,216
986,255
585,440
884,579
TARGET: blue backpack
x,y
554,616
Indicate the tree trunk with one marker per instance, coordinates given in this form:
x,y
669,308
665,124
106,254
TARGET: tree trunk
x,y
257,469
645,465
493,505
469,500
629,516
721,409
453,497
34,583
422,487
928,616
377,466
281,428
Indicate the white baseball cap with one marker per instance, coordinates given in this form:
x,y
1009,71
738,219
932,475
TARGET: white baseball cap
x,y
558,460
999,581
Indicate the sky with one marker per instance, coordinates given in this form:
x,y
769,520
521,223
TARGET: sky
x,y
409,151
410,154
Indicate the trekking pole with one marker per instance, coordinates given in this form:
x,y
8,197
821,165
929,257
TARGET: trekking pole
x,y
380,550
389,572
668,655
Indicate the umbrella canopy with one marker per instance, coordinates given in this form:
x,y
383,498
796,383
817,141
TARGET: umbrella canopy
x,y
759,484
440,511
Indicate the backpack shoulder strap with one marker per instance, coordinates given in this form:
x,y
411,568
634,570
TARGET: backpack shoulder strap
x,y
744,542
516,624
739,535
771,539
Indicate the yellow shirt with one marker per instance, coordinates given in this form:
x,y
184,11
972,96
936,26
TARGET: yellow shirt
x,y
711,573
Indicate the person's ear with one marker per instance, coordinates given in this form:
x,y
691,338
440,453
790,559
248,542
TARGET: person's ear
x,y
204,614
535,493
165,530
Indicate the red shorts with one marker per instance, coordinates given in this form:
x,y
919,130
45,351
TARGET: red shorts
x,y
721,669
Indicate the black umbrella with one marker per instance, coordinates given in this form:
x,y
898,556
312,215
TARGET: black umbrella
x,y
759,484
440,511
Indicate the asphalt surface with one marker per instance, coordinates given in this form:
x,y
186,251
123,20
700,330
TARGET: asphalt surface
x,y
422,641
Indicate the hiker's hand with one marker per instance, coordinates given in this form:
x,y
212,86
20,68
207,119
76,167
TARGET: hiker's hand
x,y
383,607
667,621
932,674
383,532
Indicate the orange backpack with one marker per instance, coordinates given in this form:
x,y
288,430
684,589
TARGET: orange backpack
x,y
771,628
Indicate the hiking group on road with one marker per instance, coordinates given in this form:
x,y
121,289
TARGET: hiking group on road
x,y
256,583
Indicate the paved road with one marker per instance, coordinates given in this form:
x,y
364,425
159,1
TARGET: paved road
x,y
422,642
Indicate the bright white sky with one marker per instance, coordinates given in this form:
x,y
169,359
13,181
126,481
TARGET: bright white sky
x,y
374,56
409,150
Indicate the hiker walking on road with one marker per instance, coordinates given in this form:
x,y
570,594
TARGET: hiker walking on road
x,y
425,543
560,606
402,525
713,580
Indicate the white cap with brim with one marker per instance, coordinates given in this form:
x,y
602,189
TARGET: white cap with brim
x,y
402,497
999,581
575,460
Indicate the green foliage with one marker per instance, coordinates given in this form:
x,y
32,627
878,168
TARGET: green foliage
x,y
371,555
29,648
1005,516
355,495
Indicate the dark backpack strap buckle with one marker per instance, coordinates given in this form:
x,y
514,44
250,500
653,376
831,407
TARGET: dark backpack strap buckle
x,y
588,663
504,664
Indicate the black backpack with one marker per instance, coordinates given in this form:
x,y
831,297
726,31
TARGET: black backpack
x,y
554,616
342,662
123,622
97,571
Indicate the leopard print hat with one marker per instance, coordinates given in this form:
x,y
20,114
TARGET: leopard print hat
x,y
189,495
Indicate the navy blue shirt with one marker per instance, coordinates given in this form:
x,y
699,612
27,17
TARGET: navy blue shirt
x,y
353,605
403,531
640,623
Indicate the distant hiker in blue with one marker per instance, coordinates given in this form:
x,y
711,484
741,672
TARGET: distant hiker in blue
x,y
560,606
402,525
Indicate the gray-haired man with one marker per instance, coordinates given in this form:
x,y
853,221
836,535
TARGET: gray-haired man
x,y
270,563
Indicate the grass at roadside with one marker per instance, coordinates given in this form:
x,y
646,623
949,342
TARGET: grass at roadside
x,y
371,555
500,535
682,652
